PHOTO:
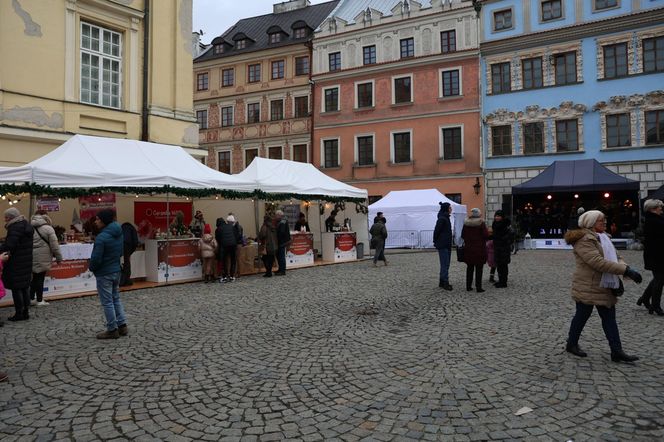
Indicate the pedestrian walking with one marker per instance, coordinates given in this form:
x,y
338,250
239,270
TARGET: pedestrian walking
x,y
503,236
208,249
231,238
283,241
378,233
442,240
267,240
45,247
105,264
474,235
17,272
653,255
595,283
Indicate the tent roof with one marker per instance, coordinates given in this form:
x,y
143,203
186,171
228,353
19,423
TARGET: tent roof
x,y
657,194
425,200
283,176
575,176
87,162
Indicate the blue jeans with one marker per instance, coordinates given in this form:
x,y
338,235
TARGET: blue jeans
x,y
609,324
108,287
281,259
444,255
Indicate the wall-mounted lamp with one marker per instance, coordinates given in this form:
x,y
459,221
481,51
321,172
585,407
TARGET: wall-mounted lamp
x,y
477,186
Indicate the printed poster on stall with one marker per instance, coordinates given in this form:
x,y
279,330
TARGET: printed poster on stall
x,y
51,204
150,216
91,204
183,257
344,246
69,277
300,253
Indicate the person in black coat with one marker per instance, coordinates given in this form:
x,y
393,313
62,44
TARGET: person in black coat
x,y
229,238
17,272
653,255
503,236
283,241
442,240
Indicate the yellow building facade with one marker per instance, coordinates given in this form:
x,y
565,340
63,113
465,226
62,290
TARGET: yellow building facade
x,y
112,68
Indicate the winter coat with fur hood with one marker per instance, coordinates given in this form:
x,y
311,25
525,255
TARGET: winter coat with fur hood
x,y
208,246
44,244
474,236
590,264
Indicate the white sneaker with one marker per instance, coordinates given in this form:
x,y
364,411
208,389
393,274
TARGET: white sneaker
x,y
33,302
42,303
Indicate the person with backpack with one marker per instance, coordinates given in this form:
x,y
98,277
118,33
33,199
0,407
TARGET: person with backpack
x,y
130,243
44,248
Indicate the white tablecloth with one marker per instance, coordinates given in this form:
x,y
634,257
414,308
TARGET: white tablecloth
x,y
76,251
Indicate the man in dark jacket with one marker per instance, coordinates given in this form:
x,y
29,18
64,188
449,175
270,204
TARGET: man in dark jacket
x,y
17,270
283,241
130,238
503,236
105,264
653,255
442,240
231,238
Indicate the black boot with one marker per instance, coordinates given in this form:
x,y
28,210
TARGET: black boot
x,y
576,350
643,301
621,356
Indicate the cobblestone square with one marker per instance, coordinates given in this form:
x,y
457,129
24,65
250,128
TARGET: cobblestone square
x,y
344,352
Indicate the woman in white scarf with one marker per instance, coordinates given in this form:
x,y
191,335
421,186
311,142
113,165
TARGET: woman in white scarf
x,y
596,282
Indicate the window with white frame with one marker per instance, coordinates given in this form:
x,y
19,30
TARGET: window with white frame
x,y
334,61
101,62
331,153
533,137
654,127
448,41
500,78
202,119
331,99
253,113
618,130
532,77
226,116
502,20
401,147
501,140
364,94
653,54
369,54
615,60
551,10
302,65
407,46
202,81
364,150
227,77
278,69
450,82
402,90
452,143
276,109
567,135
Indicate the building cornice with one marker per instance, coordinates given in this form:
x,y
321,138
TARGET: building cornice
x,y
447,176
259,55
574,32
419,116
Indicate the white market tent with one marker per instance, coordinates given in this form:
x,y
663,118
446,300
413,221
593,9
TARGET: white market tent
x,y
415,212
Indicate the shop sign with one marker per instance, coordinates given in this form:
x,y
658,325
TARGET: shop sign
x,y
151,215
48,204
91,204
301,250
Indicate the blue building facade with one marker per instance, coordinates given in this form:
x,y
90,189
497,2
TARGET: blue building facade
x,y
569,80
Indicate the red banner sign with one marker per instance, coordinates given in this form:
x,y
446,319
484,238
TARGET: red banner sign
x,y
150,216
301,244
344,241
91,204
180,253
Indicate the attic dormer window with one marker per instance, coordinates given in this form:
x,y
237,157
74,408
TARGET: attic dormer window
x,y
300,33
275,37
241,44
218,49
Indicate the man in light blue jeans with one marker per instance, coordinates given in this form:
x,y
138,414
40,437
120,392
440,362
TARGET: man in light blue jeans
x,y
105,264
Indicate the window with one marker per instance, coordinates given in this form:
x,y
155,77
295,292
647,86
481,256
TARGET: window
x,y
565,68
615,60
605,4
401,147
331,153
653,54
201,118
300,153
456,197
274,153
365,150
335,61
407,47
533,138
300,33
278,69
218,49
567,136
301,107
532,72
253,113
500,78
226,116
227,77
618,131
552,10
101,58
402,90
241,44
502,20
332,99
369,54
447,41
452,144
275,37
249,156
202,82
254,73
225,161
276,110
655,127
301,65
365,95
501,139
451,83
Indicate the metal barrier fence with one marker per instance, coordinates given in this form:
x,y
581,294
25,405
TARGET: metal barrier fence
x,y
409,239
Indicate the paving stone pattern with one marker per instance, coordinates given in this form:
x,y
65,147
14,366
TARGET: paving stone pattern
x,y
308,357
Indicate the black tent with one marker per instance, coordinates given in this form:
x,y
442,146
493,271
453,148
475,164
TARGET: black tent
x,y
575,176
657,194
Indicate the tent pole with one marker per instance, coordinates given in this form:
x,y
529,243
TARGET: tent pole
x,y
168,230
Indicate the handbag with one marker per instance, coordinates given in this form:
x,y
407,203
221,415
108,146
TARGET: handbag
x,y
460,251
620,290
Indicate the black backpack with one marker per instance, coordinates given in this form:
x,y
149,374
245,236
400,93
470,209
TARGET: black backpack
x,y
130,237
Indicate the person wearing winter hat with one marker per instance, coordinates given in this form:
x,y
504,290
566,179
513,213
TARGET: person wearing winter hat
x,y
208,248
503,236
17,271
230,239
442,240
105,264
45,247
474,234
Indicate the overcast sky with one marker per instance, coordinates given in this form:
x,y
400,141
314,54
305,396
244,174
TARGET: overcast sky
x,y
215,16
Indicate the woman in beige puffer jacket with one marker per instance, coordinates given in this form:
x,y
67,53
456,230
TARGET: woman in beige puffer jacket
x,y
595,256
45,247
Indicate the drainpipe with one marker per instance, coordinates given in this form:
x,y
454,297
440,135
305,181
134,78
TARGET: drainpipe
x,y
145,127
312,84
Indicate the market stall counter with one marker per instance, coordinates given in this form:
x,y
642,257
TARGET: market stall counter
x,y
339,246
175,259
300,252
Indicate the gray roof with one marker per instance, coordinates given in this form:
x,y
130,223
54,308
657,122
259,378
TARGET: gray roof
x,y
255,28
347,10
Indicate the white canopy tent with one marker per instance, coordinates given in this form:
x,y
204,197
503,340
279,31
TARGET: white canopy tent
x,y
415,211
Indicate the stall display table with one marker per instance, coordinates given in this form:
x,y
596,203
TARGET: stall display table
x,y
300,252
339,246
172,260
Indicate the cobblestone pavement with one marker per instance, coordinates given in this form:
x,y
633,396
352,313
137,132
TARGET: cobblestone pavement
x,y
302,357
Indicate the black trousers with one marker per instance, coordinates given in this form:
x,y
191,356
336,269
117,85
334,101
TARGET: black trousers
x,y
478,269
21,300
653,293
37,286
125,276
503,271
609,324
268,262
230,254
